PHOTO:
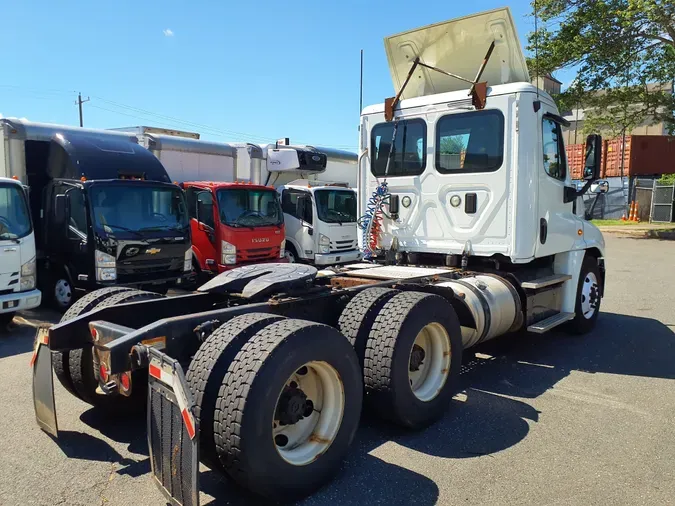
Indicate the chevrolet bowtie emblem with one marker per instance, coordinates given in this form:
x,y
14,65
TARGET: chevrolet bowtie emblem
x,y
152,251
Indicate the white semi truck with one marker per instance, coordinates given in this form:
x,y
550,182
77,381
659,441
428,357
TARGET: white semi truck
x,y
466,197
17,250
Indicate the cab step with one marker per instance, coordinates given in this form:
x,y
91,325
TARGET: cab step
x,y
537,284
550,322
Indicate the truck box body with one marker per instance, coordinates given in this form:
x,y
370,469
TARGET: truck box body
x,y
643,155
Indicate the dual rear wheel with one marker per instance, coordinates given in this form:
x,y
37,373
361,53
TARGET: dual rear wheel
x,y
278,400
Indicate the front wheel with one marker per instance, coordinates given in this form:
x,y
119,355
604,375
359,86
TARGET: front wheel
x,y
62,292
290,255
588,298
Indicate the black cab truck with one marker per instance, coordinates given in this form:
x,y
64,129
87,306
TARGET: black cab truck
x,y
106,212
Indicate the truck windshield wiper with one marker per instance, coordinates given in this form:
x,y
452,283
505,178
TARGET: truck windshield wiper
x,y
126,229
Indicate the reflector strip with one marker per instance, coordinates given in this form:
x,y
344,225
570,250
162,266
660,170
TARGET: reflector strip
x,y
167,378
155,371
189,425
42,338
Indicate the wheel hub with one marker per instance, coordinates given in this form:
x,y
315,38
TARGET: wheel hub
x,y
416,357
293,406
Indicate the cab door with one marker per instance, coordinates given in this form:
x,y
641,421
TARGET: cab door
x,y
557,224
202,226
299,229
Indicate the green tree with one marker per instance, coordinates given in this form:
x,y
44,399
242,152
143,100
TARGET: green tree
x,y
620,50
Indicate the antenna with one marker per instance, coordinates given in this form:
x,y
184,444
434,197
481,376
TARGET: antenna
x,y
361,86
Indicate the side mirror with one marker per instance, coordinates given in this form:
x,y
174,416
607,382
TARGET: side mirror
x,y
593,157
600,187
61,210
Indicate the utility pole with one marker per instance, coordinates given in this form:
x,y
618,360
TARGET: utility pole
x,y
79,104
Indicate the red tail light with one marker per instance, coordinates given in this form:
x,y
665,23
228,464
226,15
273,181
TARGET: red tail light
x,y
125,381
103,372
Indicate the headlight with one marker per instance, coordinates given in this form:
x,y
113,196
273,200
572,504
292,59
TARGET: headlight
x,y
27,275
282,250
228,253
187,260
324,244
28,269
104,260
106,274
106,269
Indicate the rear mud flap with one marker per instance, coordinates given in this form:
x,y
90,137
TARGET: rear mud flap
x,y
173,433
43,384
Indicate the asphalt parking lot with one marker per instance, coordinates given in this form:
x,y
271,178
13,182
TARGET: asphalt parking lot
x,y
549,419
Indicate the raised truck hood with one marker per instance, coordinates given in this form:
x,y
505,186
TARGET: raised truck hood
x,y
457,46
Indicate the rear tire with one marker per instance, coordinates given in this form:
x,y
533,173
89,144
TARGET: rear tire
x,y
406,386
208,368
588,299
250,401
60,359
358,317
84,368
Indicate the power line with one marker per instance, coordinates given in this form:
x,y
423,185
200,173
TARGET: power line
x,y
168,121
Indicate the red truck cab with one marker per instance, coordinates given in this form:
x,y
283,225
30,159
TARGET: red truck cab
x,y
234,224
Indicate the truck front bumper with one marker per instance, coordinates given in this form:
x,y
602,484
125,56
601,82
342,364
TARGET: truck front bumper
x,y
223,267
18,301
338,257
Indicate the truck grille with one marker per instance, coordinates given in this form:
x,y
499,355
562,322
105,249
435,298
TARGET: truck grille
x,y
339,246
257,254
171,450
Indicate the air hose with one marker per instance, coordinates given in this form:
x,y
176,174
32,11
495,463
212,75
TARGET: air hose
x,y
371,221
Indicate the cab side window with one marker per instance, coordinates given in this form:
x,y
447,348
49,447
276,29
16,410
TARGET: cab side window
x,y
289,205
78,213
555,163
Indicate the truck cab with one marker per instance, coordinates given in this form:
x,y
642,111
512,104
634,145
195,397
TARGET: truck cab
x,y
234,224
106,211
17,252
320,222
476,175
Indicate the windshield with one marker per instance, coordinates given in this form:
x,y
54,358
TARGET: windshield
x,y
14,217
336,206
249,208
137,208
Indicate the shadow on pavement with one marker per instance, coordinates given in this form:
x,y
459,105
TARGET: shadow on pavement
x,y
482,421
18,336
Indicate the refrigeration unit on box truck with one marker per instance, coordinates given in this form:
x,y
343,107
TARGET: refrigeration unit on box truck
x,y
105,211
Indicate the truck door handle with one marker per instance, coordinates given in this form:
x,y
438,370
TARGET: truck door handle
x,y
543,230
470,203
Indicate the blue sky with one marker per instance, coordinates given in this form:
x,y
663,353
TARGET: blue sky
x,y
233,71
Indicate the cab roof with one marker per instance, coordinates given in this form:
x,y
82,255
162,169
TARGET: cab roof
x,y
218,185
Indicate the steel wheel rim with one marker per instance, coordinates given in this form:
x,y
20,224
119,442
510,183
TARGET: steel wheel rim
x,y
290,257
302,442
589,293
428,377
63,292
